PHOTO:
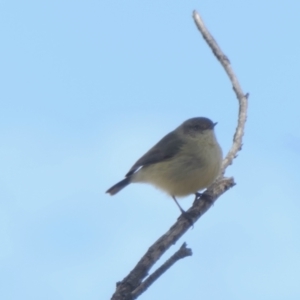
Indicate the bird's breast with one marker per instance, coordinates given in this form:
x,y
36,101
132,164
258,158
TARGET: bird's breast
x,y
191,170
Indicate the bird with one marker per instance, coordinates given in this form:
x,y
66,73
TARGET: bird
x,y
184,162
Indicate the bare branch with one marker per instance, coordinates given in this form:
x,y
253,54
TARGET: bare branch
x,y
133,285
242,98
181,253
134,279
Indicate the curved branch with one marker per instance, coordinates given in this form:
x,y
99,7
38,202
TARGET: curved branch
x,y
134,284
242,98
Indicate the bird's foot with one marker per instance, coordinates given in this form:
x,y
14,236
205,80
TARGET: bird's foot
x,y
186,216
203,197
198,196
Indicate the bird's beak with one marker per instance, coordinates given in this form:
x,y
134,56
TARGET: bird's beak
x,y
215,124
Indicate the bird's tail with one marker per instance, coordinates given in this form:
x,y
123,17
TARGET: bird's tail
x,y
118,186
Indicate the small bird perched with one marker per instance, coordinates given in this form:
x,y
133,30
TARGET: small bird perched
x,y
185,161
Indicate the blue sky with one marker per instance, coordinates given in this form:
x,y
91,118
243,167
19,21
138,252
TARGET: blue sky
x,y
86,88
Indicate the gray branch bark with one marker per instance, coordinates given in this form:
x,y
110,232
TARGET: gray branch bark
x,y
242,98
179,254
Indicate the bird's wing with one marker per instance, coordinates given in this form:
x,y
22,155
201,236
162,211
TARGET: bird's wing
x,y
165,149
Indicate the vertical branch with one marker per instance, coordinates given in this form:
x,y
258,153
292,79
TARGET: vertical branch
x,y
242,98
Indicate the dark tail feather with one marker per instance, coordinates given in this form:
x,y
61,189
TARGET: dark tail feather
x,y
118,186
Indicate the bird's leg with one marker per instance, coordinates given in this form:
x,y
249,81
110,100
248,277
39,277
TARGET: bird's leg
x,y
183,212
181,209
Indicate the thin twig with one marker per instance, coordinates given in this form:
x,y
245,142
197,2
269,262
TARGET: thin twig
x,y
242,98
181,253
